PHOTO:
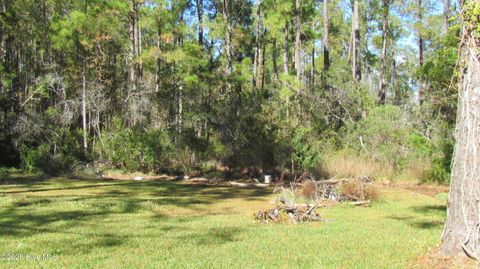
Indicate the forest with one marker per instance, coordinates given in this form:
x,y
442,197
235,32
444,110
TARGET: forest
x,y
239,133
208,86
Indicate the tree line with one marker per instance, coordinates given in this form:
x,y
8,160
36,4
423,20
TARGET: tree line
x,y
157,84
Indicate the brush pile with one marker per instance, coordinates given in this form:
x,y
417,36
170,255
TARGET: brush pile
x,y
296,213
314,194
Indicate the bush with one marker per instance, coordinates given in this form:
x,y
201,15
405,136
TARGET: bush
x,y
41,159
136,150
34,158
306,153
386,136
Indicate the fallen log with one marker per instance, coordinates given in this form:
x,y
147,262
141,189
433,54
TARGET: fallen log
x,y
248,185
360,203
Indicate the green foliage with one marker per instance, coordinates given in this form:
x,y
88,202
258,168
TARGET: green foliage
x,y
306,153
386,136
136,150
34,158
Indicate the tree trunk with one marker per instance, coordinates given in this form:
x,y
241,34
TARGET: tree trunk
x,y
46,33
257,53
180,109
326,41
420,53
356,70
313,71
262,64
446,14
298,41
2,43
274,60
228,38
285,50
383,69
84,107
200,21
158,63
135,71
461,235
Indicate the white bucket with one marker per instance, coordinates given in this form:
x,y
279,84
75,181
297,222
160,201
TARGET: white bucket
x,y
268,179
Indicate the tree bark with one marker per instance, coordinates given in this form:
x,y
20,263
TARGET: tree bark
x,y
135,71
461,235
256,60
285,49
274,60
446,14
383,69
159,61
298,41
200,21
84,106
326,41
228,38
313,71
420,53
356,69
2,43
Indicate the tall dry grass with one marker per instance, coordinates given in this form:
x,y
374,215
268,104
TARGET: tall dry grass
x,y
351,165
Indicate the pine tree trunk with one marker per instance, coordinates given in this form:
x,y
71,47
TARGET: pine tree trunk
x,y
2,44
228,38
285,49
84,107
200,21
275,60
356,69
420,53
461,235
446,14
135,72
158,62
256,59
298,41
326,41
383,70
313,71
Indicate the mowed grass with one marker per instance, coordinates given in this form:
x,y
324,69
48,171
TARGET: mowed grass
x,y
152,224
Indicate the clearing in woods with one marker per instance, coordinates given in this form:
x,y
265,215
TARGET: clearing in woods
x,y
152,224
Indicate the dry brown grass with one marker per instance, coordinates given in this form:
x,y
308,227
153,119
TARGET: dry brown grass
x,y
371,192
358,190
309,189
351,166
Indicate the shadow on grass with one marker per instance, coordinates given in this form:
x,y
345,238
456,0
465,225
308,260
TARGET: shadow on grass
x,y
31,211
431,209
418,220
213,236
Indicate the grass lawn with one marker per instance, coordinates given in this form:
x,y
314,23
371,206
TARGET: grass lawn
x,y
153,224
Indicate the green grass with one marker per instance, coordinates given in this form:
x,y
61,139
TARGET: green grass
x,y
123,224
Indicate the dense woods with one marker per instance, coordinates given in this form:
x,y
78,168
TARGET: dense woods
x,y
186,86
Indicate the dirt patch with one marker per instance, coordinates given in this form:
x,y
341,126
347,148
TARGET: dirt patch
x,y
434,259
431,190
133,176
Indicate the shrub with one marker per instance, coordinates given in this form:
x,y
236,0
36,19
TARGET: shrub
x,y
386,137
34,158
306,153
136,150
